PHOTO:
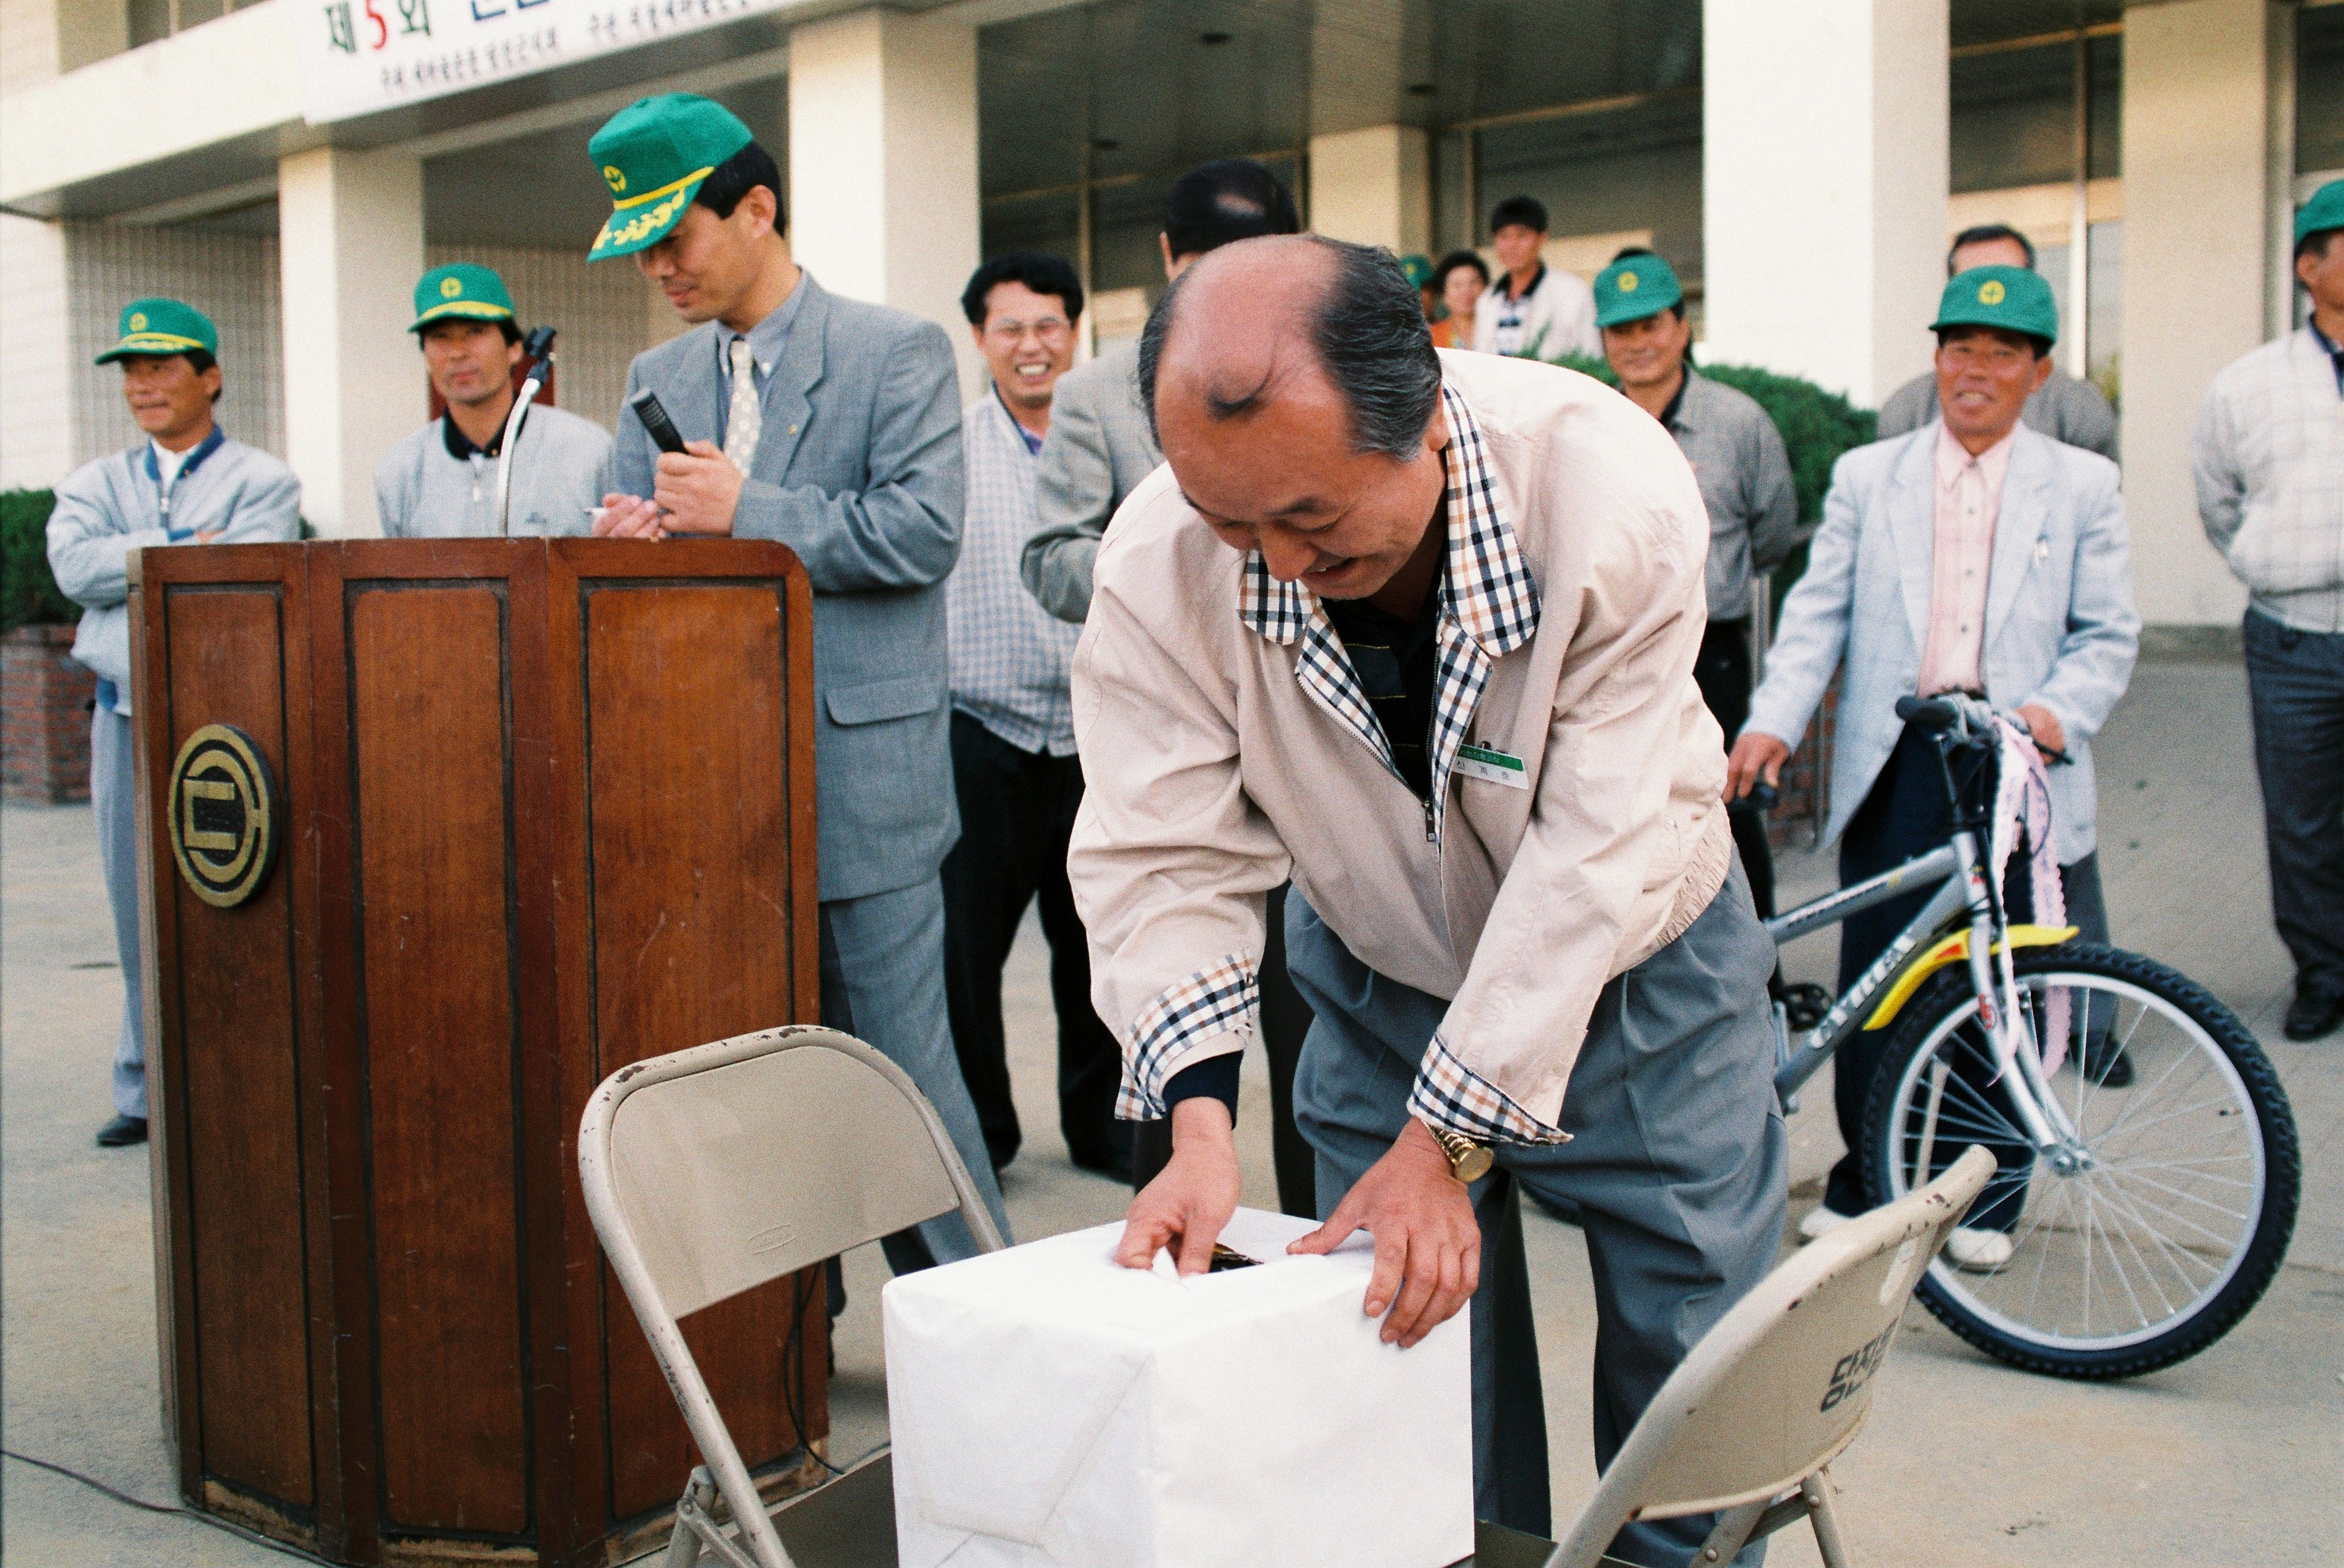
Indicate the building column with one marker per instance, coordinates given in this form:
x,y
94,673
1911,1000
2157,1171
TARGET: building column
x,y
1373,186
883,164
350,238
2196,242
38,443
1824,187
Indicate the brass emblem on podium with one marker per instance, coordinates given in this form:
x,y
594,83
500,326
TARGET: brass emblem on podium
x,y
223,811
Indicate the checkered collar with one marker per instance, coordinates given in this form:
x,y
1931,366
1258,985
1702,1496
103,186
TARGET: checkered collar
x,y
1489,607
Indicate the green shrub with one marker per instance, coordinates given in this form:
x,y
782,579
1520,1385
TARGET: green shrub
x,y
28,594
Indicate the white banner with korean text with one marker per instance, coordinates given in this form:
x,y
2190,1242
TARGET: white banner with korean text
x,y
362,57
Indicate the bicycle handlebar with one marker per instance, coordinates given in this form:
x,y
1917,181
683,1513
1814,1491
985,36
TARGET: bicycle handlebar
x,y
1934,713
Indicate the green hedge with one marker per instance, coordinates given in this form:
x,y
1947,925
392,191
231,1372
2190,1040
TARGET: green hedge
x,y
28,594
1817,427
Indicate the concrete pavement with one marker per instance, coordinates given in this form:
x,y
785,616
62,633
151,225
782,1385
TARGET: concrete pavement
x,y
2232,1458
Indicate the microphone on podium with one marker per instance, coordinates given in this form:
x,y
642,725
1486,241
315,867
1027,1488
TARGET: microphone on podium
x,y
537,346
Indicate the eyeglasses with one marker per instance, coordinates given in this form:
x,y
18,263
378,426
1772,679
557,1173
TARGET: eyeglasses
x,y
1049,329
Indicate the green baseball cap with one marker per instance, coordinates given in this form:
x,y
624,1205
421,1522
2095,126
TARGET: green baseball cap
x,y
461,290
2011,298
653,155
159,328
2325,210
1633,288
1419,270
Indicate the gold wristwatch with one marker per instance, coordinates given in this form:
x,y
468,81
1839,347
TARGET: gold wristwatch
x,y
1469,1161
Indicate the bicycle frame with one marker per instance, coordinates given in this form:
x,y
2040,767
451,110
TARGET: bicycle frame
x,y
1964,887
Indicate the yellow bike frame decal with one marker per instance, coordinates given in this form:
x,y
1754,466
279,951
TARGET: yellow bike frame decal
x,y
1954,949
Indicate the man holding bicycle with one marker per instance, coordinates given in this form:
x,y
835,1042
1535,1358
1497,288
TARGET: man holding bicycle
x,y
1973,555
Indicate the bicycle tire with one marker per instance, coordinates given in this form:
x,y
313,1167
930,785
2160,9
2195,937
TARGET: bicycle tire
x,y
1948,997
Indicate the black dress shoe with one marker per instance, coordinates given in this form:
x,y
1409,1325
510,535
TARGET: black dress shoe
x,y
2312,1015
122,1132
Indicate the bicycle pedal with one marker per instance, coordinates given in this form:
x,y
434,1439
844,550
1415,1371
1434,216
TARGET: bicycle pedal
x,y
1805,1005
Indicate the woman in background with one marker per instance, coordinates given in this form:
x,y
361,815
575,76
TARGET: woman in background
x,y
1461,277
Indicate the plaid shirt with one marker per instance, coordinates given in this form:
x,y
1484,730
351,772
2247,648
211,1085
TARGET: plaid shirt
x,y
1010,657
2270,461
1489,607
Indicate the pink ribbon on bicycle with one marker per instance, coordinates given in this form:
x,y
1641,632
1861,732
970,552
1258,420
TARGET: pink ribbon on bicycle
x,y
2021,803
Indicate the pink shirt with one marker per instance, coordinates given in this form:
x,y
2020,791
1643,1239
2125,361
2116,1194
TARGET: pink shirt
x,y
1969,498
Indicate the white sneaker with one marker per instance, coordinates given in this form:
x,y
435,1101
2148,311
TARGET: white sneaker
x,y
1820,1220
1979,1251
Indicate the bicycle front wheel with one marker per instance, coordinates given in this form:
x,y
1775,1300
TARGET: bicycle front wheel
x,y
2163,1222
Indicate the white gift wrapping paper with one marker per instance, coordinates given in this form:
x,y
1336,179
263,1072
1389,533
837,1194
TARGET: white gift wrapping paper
x,y
1052,1410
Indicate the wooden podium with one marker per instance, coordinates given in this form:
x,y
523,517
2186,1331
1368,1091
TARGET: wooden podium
x,y
439,834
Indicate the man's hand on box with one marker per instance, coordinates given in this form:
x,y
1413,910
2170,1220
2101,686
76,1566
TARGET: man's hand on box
x,y
1428,1243
1190,1201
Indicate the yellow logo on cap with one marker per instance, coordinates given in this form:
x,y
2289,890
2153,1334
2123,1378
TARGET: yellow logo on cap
x,y
1990,291
138,320
1626,282
450,286
618,179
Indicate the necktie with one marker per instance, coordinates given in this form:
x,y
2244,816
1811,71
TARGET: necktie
x,y
745,422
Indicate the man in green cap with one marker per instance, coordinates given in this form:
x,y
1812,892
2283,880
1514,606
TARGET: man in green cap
x,y
834,426
441,481
2063,408
1978,555
184,482
2269,460
1745,483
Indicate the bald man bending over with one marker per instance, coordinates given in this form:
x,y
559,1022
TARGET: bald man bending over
x,y
1418,630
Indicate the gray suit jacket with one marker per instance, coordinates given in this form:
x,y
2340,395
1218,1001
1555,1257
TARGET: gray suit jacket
x,y
2060,627
1097,452
2064,408
859,471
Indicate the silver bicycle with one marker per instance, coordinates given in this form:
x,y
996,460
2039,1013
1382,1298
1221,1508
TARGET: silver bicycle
x,y
2146,1211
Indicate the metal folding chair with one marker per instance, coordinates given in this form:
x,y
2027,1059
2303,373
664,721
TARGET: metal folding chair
x,y
712,1170
1748,1424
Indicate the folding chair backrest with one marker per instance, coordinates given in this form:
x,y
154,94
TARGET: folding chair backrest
x,y
712,1170
1781,1383
735,1163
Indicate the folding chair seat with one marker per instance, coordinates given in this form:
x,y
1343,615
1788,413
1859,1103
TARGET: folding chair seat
x,y
1748,1424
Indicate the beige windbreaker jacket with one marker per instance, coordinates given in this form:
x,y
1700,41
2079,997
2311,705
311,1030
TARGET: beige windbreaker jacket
x,y
1226,746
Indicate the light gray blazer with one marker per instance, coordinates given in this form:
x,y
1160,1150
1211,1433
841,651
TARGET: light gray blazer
x,y
859,471
1098,450
2060,627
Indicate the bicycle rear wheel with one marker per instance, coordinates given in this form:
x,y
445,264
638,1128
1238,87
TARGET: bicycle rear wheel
x,y
2182,1191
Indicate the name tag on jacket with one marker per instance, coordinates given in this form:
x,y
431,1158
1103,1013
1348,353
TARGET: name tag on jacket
x,y
1492,766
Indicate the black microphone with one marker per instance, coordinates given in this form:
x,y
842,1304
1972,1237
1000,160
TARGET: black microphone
x,y
539,343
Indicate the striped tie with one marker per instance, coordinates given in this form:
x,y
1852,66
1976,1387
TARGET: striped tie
x,y
746,421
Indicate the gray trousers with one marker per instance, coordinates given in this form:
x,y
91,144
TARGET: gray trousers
x,y
1678,1163
114,800
882,981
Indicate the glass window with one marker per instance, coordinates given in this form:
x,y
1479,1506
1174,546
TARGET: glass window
x,y
2319,89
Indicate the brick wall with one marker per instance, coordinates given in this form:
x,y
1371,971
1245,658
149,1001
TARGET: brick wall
x,y
45,701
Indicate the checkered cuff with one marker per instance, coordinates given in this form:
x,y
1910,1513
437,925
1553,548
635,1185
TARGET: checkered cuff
x,y
1218,999
1450,1094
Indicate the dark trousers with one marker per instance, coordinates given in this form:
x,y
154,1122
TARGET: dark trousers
x,y
1016,809
1906,814
1677,1167
1285,1019
2296,681
1722,671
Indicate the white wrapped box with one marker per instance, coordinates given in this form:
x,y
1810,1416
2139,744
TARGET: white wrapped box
x,y
1050,1408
